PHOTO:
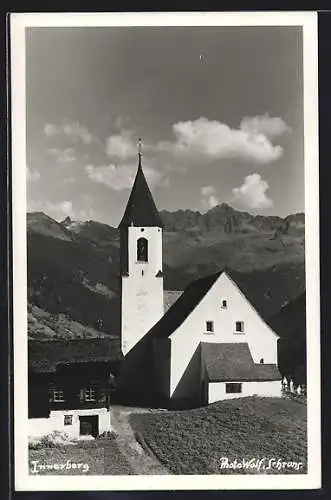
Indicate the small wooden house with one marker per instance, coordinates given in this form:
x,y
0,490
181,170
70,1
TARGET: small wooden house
x,y
71,385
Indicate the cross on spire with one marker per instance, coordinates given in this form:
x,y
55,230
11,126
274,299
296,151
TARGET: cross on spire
x,y
140,145
140,210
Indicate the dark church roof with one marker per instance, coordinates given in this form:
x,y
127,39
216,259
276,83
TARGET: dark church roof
x,y
183,306
45,355
195,292
141,209
234,362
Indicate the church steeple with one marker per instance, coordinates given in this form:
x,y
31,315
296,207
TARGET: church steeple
x,y
141,209
140,263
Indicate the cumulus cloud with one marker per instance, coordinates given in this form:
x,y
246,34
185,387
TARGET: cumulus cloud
x,y
33,176
67,155
122,176
264,124
208,197
114,162
216,140
121,146
252,194
72,130
50,129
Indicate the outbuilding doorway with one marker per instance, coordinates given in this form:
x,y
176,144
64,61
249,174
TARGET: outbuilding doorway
x,y
89,425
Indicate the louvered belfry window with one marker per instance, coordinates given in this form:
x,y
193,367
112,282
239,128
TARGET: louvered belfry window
x,y
142,250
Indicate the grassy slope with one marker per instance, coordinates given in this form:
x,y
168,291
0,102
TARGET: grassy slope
x,y
192,442
44,325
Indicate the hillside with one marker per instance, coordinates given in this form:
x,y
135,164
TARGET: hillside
x,y
194,441
73,266
70,278
74,283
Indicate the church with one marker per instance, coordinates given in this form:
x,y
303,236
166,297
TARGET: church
x,y
204,344
177,349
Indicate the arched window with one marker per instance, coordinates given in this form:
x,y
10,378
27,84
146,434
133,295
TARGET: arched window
x,y
142,250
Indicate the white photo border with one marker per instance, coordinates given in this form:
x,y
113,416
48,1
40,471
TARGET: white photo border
x,y
27,482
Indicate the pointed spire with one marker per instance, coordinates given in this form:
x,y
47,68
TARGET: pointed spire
x,y
140,152
141,209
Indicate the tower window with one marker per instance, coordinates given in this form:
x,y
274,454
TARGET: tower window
x,y
209,326
142,250
239,327
224,304
261,361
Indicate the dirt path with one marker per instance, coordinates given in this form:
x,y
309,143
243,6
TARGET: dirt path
x,y
139,460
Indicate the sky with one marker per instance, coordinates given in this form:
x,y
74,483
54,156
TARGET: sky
x,y
219,111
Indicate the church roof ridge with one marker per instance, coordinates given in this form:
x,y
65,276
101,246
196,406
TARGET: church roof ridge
x,y
175,315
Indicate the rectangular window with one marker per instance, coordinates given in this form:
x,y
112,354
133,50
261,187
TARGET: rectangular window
x,y
239,327
233,388
67,419
56,396
89,394
209,326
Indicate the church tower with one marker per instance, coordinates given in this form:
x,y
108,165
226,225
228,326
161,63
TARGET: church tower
x,y
141,263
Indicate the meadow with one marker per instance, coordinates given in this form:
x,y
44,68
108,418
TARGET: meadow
x,y
243,429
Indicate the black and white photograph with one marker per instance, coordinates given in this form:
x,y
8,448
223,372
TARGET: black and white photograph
x,y
166,251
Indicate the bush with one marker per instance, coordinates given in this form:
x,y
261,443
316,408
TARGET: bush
x,y
110,435
55,439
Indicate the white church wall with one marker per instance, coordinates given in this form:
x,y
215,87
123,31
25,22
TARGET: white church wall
x,y
261,339
183,348
142,307
142,291
184,341
217,392
38,427
189,385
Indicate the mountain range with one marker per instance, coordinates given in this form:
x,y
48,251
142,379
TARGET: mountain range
x,y
73,266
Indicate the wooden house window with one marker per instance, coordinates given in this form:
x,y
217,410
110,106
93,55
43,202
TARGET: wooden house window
x,y
233,388
142,250
89,394
239,327
67,419
56,396
209,326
